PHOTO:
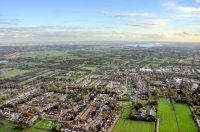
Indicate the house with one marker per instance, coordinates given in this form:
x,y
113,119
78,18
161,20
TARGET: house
x,y
194,86
33,120
113,84
145,112
151,113
141,112
198,123
146,70
159,83
23,107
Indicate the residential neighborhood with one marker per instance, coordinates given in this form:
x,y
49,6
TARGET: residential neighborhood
x,y
99,95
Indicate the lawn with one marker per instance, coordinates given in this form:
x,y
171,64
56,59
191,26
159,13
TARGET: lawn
x,y
127,103
185,121
43,124
126,113
89,68
167,117
7,126
127,125
36,130
13,73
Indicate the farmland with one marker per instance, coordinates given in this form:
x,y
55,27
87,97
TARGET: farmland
x,y
44,54
184,117
167,117
125,125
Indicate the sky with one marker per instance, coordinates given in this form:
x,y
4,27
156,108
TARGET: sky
x,y
99,20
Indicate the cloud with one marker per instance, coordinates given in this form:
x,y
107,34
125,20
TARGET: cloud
x,y
176,37
182,9
149,24
54,33
37,29
130,14
49,33
198,1
9,21
2,34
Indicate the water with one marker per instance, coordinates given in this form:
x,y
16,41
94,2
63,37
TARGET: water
x,y
144,45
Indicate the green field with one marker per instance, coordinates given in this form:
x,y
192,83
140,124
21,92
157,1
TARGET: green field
x,y
35,130
167,117
185,121
154,62
127,125
44,54
126,113
43,124
89,68
7,126
13,73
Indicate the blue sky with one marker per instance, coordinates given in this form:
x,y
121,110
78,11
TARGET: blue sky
x,y
99,20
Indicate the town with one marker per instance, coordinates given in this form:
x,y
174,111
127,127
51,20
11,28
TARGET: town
x,y
106,88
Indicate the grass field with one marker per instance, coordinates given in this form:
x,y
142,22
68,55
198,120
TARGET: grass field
x,y
7,126
13,73
126,113
127,125
154,62
185,121
43,124
168,116
44,54
36,130
89,68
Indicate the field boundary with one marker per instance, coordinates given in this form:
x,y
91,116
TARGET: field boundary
x,y
175,116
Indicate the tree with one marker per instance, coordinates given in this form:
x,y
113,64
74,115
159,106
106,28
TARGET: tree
x,y
54,129
106,115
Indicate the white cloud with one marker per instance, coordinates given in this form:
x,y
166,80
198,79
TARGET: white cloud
x,y
181,9
150,24
176,37
2,34
129,14
198,1
43,34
